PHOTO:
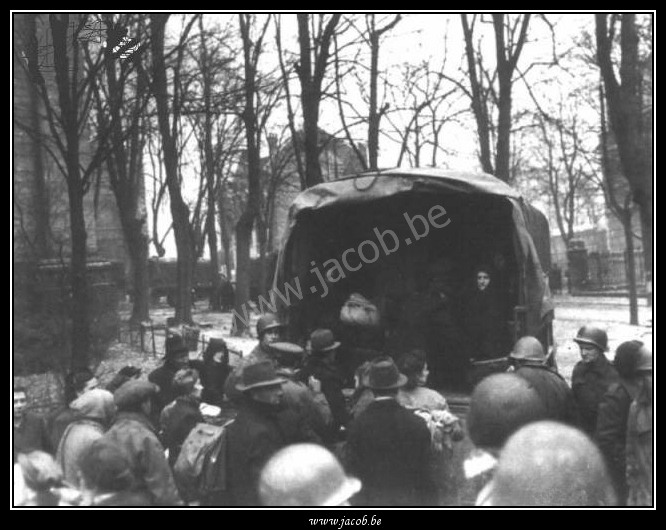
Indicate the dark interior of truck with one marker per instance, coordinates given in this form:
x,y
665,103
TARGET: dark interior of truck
x,y
478,232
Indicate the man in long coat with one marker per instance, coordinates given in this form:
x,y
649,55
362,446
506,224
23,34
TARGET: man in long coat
x,y
389,446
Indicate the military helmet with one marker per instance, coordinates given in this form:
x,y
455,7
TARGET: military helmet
x,y
305,475
500,405
528,349
551,464
627,357
266,322
593,336
645,360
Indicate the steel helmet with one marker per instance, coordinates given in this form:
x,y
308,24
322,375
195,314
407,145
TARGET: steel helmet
x,y
305,475
266,322
551,464
645,360
594,336
500,405
528,349
627,357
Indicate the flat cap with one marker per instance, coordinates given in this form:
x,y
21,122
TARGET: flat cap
x,y
133,392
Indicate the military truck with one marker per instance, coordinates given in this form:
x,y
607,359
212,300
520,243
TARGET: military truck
x,y
381,234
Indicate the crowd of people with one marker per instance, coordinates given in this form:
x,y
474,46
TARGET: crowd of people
x,y
300,438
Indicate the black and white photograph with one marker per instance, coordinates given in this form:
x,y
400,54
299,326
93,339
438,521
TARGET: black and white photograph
x,y
331,266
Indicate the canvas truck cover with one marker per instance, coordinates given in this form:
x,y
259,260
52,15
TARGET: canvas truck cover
x,y
530,226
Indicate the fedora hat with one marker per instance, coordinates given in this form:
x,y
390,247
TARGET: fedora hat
x,y
383,374
258,375
322,340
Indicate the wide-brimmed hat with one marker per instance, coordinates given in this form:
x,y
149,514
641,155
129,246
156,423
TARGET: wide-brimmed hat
x,y
322,340
383,374
286,350
259,375
175,347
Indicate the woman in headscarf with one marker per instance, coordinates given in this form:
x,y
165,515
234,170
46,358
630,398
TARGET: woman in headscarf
x,y
96,411
482,317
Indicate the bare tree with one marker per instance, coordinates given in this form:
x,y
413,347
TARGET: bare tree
x,y
510,38
168,115
252,48
121,98
67,103
626,112
314,54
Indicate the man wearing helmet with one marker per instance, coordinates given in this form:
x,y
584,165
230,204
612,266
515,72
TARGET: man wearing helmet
x,y
305,475
530,362
592,375
269,330
633,362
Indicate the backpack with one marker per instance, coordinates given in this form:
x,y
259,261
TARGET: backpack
x,y
200,468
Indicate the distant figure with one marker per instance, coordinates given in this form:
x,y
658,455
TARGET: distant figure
x,y
482,318
30,430
550,464
227,294
96,411
305,475
134,434
633,362
107,478
389,447
180,416
530,362
592,375
500,405
176,357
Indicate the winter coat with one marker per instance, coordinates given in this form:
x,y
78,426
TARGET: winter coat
x,y
483,323
213,377
611,433
388,449
31,435
134,434
589,383
639,448
303,401
75,442
254,436
421,397
162,377
56,425
332,383
177,419
554,392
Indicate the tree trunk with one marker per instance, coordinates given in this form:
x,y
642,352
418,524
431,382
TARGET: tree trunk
x,y
80,310
373,115
179,211
631,267
243,239
503,153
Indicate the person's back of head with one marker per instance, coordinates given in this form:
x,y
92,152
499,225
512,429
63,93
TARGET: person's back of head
x,y
305,475
551,464
106,468
412,364
184,381
42,475
500,405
